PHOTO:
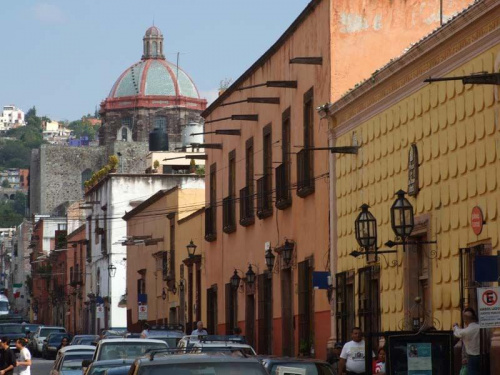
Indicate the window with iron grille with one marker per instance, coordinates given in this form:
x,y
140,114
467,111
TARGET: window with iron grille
x,y
231,308
171,274
211,211
264,184
344,313
306,309
228,204
247,215
305,157
161,123
369,300
283,196
164,265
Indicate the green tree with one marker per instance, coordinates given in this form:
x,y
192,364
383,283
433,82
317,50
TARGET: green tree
x,y
83,128
5,184
8,216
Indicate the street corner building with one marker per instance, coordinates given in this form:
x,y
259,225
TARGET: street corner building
x,y
267,218
165,268
437,141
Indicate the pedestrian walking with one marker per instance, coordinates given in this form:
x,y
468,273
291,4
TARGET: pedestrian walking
x,y
8,358
470,336
352,357
333,357
24,363
199,331
145,331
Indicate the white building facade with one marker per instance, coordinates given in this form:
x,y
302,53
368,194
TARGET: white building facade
x,y
107,203
11,117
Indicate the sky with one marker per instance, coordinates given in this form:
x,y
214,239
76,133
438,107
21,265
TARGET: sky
x,y
63,56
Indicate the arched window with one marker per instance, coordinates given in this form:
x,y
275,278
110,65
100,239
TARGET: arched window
x,y
86,175
155,49
161,123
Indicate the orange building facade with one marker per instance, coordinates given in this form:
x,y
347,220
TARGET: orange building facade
x,y
267,191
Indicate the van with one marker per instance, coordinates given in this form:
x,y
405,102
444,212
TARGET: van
x,y
4,305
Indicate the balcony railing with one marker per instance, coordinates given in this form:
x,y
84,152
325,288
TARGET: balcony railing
x,y
305,173
264,197
247,214
210,223
283,196
228,214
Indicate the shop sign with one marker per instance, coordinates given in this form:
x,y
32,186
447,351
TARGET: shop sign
x,y
99,309
413,170
419,357
143,312
488,307
477,220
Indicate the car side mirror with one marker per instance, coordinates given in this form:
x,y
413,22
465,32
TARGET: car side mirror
x,y
86,363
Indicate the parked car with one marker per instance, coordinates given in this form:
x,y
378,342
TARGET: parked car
x,y
171,334
100,367
4,305
84,340
122,370
13,331
40,335
125,348
51,344
192,364
311,366
30,327
70,363
196,344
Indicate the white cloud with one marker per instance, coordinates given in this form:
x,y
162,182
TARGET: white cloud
x,y
48,13
210,95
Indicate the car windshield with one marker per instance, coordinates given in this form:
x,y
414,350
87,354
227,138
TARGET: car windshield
x,y
171,341
311,368
44,332
218,368
74,361
123,349
14,328
56,339
87,341
4,306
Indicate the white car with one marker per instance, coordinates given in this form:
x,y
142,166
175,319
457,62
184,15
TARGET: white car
x,y
76,349
126,348
41,334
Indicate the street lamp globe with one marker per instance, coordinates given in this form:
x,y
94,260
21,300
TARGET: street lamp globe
x,y
270,258
366,228
111,270
235,280
191,249
250,275
402,219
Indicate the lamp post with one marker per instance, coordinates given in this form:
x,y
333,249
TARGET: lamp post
x,y
287,252
270,259
111,273
402,219
235,280
250,276
191,249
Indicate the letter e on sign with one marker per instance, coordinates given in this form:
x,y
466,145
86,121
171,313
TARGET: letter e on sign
x,y
477,220
490,297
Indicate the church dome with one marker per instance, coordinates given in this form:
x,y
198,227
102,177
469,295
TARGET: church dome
x,y
154,81
155,77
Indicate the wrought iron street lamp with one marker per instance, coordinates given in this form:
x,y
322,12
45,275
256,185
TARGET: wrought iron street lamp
x,y
191,249
250,276
111,270
366,228
270,258
402,219
164,294
235,280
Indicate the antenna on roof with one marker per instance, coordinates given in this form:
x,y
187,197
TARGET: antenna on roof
x,y
153,20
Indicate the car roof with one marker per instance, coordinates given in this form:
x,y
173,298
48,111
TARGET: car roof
x,y
128,341
75,348
77,353
83,336
195,358
166,333
107,362
49,327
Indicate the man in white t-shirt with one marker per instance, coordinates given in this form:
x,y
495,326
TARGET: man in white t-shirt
x,y
24,361
352,357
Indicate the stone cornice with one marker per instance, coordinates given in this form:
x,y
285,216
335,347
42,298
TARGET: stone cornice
x,y
433,54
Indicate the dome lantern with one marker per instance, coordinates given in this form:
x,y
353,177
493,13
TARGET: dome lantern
x,y
153,44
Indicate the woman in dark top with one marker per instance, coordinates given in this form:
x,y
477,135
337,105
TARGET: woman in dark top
x,y
64,342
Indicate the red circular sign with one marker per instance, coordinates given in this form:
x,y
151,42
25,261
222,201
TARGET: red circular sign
x,y
490,297
477,220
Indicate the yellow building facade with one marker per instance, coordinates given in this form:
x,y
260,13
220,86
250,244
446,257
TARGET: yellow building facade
x,y
158,231
455,131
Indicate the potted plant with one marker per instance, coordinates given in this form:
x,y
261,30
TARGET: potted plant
x,y
192,166
156,165
113,163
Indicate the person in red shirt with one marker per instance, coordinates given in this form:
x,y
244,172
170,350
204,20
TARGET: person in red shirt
x,y
379,363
